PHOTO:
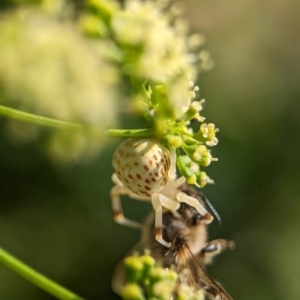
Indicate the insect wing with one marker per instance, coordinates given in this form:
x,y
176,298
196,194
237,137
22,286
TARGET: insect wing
x,y
213,289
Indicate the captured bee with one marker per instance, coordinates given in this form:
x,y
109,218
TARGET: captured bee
x,y
146,170
189,252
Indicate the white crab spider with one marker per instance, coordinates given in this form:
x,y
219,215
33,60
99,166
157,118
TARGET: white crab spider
x,y
145,170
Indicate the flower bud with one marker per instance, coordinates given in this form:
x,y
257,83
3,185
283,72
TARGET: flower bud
x,y
132,291
134,268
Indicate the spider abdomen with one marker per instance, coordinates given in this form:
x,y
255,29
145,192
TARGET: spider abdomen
x,y
142,165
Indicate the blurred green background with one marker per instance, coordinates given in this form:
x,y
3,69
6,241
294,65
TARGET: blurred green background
x,y
58,219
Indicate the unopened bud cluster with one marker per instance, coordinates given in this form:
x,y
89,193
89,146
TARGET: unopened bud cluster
x,y
143,274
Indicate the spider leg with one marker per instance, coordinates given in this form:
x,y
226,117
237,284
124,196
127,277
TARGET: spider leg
x,y
119,217
159,201
180,181
172,171
115,179
182,197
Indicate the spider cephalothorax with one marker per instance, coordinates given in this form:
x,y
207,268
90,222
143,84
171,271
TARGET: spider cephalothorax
x,y
146,170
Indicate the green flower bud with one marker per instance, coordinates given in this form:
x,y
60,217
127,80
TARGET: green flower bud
x,y
103,8
158,273
174,141
202,156
148,262
163,290
134,268
93,26
183,163
207,134
203,179
192,179
132,291
193,111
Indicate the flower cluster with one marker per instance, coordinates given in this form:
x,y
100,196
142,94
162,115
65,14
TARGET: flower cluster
x,y
142,51
155,53
143,274
48,68
152,44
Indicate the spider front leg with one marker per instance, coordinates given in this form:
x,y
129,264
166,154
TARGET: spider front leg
x,y
159,201
116,191
182,197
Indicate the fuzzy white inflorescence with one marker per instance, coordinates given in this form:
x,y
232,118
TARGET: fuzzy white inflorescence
x,y
162,50
48,68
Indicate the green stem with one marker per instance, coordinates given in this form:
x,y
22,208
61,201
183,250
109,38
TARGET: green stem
x,y
146,132
36,278
53,123
36,119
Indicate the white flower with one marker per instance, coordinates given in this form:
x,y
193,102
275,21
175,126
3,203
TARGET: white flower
x,y
160,49
48,68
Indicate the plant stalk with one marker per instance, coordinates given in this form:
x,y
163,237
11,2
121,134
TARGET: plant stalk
x,y
58,124
36,278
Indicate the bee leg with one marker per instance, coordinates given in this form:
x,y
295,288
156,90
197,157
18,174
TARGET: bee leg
x,y
115,193
214,248
182,197
159,201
